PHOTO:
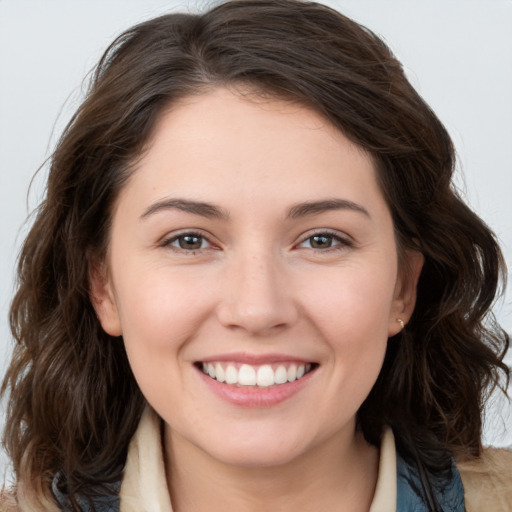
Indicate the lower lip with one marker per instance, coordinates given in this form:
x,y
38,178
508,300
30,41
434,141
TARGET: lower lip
x,y
253,397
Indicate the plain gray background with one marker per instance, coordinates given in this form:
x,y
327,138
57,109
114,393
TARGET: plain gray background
x,y
457,53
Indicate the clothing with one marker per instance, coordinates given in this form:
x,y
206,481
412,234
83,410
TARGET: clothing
x,y
488,481
144,486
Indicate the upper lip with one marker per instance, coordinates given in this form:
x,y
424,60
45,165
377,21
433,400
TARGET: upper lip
x,y
254,359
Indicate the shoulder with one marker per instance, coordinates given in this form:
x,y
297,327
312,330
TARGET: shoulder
x,y
8,502
488,481
102,498
447,489
16,499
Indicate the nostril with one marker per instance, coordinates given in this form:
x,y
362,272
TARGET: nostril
x,y
257,318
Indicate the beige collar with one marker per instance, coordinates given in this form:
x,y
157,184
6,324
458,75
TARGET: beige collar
x,y
144,487
384,499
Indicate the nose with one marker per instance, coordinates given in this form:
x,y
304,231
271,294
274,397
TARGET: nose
x,y
257,297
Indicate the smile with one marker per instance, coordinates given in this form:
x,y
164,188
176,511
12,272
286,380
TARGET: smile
x,y
259,376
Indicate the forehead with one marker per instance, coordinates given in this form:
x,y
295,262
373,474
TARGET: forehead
x,y
221,144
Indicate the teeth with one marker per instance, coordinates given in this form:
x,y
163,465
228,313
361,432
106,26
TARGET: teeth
x,y
246,375
262,376
265,376
220,374
231,375
292,373
281,376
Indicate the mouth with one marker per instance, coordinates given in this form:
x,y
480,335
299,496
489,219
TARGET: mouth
x,y
245,375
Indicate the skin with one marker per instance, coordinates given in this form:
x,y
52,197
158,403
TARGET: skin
x,y
256,285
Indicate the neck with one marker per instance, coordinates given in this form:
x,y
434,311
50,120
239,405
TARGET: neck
x,y
337,475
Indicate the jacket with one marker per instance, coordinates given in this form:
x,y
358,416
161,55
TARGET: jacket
x,y
449,492
480,485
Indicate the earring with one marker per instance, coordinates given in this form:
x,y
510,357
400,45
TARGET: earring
x,y
401,322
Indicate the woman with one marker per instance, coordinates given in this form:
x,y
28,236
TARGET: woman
x,y
251,285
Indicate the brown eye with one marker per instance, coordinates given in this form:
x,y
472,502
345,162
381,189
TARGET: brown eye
x,y
325,241
188,242
321,241
191,242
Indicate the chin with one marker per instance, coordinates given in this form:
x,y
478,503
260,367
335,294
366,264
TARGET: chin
x,y
260,451
257,457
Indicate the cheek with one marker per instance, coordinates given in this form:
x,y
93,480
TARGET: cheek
x,y
352,314
159,315
352,303
159,311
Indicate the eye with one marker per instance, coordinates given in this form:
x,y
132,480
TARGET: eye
x,y
188,242
324,240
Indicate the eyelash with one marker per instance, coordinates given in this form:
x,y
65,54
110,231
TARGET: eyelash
x,y
169,242
341,242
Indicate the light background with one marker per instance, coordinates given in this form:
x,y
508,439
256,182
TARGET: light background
x,y
457,53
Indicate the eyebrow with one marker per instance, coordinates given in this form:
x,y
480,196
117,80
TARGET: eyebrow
x,y
317,207
212,211
195,207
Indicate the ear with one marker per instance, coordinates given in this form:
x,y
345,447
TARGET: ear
x,y
102,297
405,291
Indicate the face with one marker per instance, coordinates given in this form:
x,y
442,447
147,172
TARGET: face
x,y
252,272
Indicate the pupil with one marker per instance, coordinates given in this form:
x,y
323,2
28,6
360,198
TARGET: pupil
x,y
321,241
190,242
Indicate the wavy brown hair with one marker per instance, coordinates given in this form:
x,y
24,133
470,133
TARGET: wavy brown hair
x,y
74,403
